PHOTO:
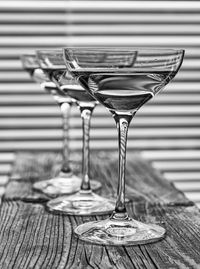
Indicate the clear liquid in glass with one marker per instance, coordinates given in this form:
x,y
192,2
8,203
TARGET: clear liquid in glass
x,y
121,92
69,86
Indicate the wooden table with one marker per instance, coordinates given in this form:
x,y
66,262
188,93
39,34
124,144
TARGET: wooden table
x,y
32,238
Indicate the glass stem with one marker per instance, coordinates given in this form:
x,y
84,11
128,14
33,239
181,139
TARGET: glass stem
x,y
122,122
65,110
86,113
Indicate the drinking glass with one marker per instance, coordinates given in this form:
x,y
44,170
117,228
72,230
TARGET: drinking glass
x,y
122,80
66,181
84,202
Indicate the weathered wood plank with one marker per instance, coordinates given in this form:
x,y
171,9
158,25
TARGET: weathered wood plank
x,y
144,184
33,238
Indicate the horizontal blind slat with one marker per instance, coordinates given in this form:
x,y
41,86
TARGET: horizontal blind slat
x,y
104,5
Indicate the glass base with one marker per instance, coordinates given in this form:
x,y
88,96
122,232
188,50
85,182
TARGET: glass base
x,y
81,203
119,232
63,184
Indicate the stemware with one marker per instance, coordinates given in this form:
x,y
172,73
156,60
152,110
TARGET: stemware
x,y
66,181
122,80
84,202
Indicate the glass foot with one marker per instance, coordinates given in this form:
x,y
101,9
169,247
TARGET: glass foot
x,y
63,185
81,203
118,232
58,185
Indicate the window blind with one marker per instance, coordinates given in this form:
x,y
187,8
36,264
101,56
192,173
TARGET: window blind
x,y
166,130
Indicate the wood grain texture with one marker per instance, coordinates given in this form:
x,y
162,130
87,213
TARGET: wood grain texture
x,y
143,183
33,238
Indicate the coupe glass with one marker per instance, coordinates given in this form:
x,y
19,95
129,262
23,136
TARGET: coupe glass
x,y
122,80
84,202
66,181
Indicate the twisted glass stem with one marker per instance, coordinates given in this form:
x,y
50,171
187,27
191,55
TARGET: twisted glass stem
x,y
122,122
86,113
65,110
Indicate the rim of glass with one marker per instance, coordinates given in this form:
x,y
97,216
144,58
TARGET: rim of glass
x,y
28,55
155,50
123,48
48,50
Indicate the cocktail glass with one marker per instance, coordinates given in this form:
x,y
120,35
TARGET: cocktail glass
x,y
66,181
84,202
122,80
